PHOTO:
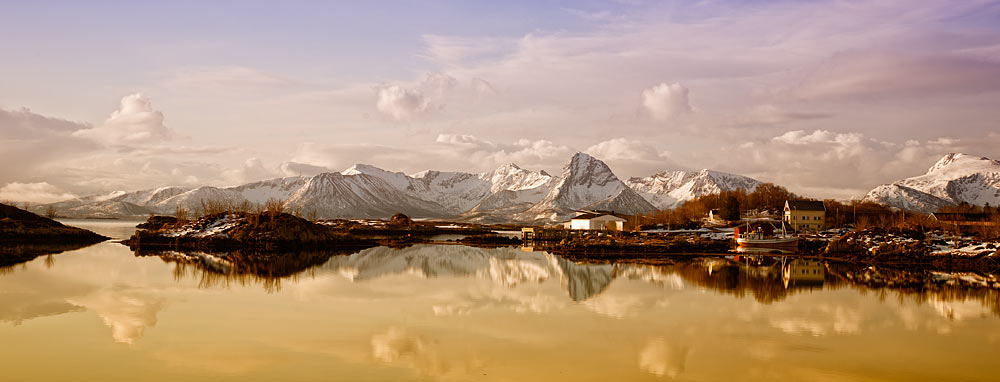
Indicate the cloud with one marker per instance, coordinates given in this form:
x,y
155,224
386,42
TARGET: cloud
x,y
824,163
879,75
24,124
666,101
483,88
301,169
399,103
35,142
621,148
525,152
135,122
403,104
771,114
253,169
41,192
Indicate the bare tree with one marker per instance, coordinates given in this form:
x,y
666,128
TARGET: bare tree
x,y
181,214
50,212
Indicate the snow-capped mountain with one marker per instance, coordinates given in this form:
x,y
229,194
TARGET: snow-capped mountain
x,y
460,192
165,200
334,195
668,189
586,183
954,179
505,194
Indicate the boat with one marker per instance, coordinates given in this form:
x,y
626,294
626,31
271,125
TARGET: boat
x,y
760,235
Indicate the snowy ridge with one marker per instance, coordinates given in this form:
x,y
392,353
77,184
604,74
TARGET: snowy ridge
x,y
669,189
460,192
334,195
586,183
505,194
955,178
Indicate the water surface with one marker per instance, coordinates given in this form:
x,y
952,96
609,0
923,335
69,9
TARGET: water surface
x,y
459,313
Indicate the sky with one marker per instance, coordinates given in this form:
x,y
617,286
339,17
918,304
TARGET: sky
x,y
826,98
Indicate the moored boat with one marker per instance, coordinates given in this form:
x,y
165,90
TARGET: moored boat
x,y
765,236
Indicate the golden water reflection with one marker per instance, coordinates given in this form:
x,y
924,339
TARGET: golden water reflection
x,y
457,313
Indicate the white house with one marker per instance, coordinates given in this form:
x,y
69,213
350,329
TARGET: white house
x,y
598,220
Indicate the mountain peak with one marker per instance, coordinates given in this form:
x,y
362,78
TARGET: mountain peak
x,y
951,158
581,156
361,168
955,178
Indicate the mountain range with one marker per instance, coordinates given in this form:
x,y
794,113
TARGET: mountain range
x,y
954,179
506,194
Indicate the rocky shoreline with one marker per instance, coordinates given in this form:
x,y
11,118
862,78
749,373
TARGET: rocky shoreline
x,y
25,236
276,231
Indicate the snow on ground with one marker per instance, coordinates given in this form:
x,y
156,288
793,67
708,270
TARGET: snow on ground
x,y
216,227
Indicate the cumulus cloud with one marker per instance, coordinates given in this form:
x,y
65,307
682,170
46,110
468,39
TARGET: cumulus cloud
x,y
824,163
135,122
632,157
666,101
403,104
622,148
525,152
41,192
253,169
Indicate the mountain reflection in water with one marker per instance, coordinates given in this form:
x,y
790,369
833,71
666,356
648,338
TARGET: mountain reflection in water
x,y
452,312
767,279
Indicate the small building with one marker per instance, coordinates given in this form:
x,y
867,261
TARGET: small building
x,y
599,220
715,216
805,215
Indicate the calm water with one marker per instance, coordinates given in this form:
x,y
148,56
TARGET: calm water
x,y
461,313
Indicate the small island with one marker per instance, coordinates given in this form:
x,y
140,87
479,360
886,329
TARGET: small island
x,y
25,236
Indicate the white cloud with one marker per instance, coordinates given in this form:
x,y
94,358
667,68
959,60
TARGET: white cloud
x,y
621,148
41,192
399,103
135,122
403,104
253,169
824,163
666,101
301,169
